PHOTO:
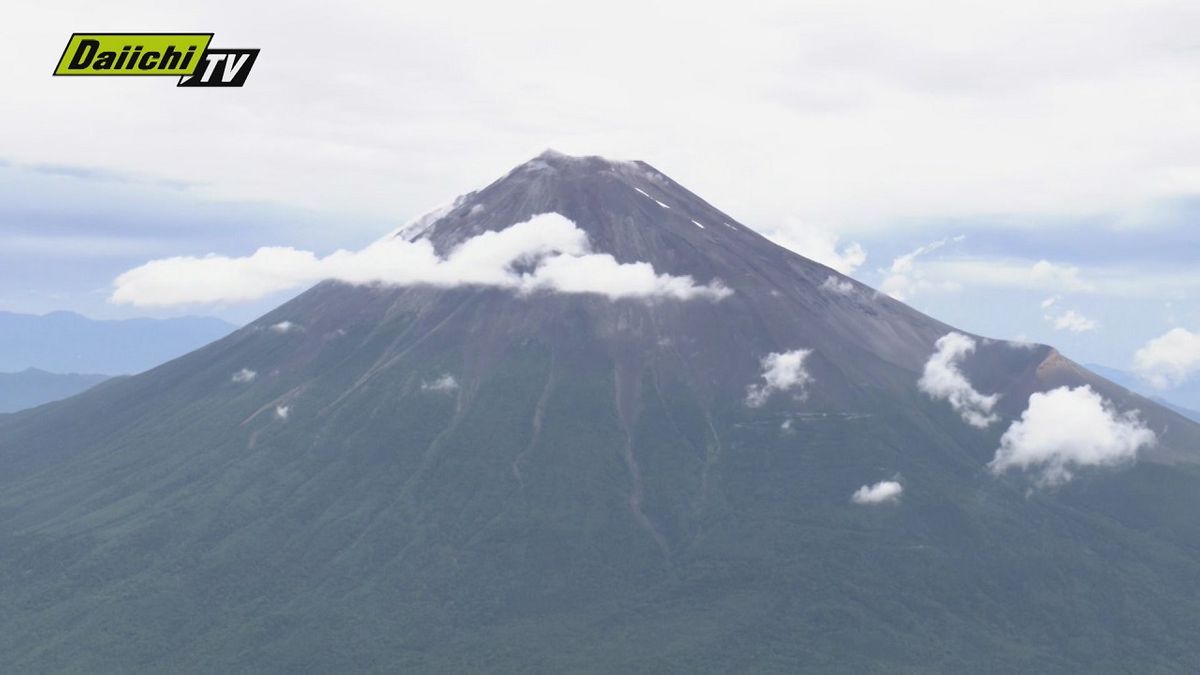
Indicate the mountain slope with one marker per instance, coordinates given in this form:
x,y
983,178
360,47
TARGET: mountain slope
x,y
1193,415
474,479
32,387
65,342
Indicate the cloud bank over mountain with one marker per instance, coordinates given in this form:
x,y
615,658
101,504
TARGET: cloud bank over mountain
x,y
553,254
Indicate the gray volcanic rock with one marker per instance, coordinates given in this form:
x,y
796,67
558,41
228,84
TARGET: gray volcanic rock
x,y
462,479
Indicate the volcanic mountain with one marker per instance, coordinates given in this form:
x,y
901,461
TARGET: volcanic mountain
x,y
471,477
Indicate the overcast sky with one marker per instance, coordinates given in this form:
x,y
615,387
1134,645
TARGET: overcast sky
x,y
1018,169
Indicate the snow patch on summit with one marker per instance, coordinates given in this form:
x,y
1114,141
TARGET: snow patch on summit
x,y
647,196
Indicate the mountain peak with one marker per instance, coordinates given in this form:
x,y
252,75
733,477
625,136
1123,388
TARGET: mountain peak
x,y
616,202
557,158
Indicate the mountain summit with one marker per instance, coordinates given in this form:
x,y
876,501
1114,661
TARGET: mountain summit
x,y
789,472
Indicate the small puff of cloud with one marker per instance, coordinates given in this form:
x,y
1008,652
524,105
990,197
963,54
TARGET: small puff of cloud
x,y
1169,359
1064,277
556,249
837,286
1074,321
1065,428
883,492
943,380
904,279
284,327
444,384
281,411
1022,341
782,371
244,375
1069,320
820,245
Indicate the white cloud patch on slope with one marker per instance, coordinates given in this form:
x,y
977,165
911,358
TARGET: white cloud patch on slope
x,y
782,371
1169,359
1067,428
558,251
243,376
837,286
444,384
942,379
883,492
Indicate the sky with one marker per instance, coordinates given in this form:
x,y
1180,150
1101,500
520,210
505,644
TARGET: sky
x,y
1020,170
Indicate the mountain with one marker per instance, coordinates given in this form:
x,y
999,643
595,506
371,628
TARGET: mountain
x,y
66,342
469,478
1193,415
1183,399
32,387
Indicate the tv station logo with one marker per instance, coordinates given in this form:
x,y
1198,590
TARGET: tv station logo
x,y
183,55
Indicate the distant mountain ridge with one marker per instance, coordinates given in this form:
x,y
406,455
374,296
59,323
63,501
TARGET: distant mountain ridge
x,y
1184,399
66,342
32,387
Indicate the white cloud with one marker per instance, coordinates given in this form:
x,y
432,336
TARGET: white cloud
x,y
1169,359
284,327
837,286
244,375
940,117
1068,320
281,411
883,492
782,371
558,250
1046,277
904,278
910,122
1073,321
821,245
1021,341
1067,428
444,384
1065,277
943,380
